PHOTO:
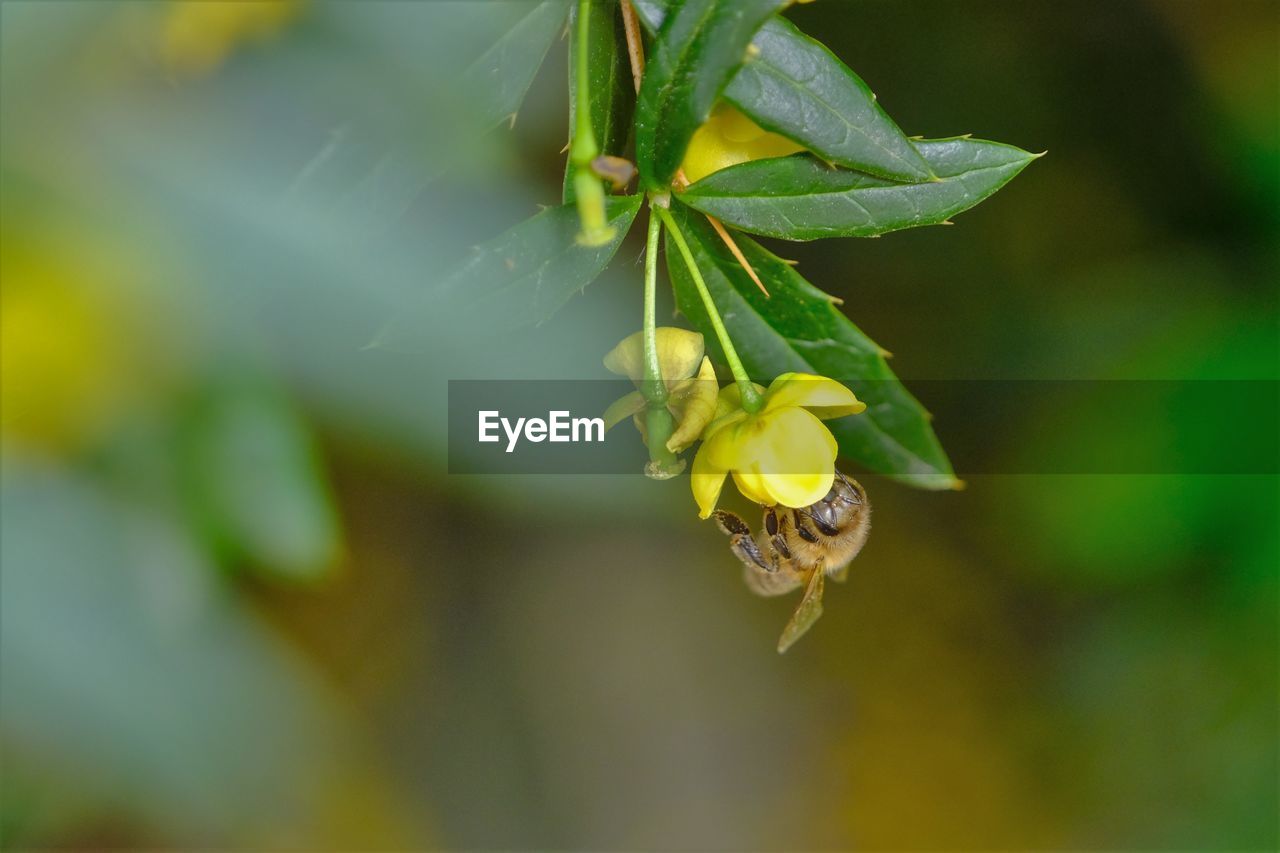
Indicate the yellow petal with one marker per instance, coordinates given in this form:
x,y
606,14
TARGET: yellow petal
x,y
753,488
793,455
734,416
694,405
797,490
679,353
825,397
706,480
731,396
623,408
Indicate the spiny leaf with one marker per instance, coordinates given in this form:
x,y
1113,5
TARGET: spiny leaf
x,y
802,198
796,87
518,278
504,71
799,329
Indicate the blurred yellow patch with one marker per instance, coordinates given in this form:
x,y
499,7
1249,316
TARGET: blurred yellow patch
x,y
729,138
70,363
198,35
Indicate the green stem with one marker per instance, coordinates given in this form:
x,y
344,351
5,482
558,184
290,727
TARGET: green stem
x,y
655,386
585,147
587,187
659,422
751,399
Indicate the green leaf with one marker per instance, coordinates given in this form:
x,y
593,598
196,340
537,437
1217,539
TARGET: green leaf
x,y
612,90
518,278
699,47
799,328
253,481
504,72
797,88
802,198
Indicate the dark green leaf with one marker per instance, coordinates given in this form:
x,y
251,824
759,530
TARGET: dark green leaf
x,y
802,198
698,48
504,71
518,278
612,90
797,88
799,328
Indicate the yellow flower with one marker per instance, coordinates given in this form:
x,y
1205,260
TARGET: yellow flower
x,y
781,455
729,138
688,374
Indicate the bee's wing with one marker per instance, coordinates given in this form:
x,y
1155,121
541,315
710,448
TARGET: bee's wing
x,y
780,581
806,614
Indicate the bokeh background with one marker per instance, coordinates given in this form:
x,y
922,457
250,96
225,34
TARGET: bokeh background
x,y
246,607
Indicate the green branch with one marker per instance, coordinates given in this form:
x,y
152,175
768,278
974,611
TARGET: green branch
x,y
587,187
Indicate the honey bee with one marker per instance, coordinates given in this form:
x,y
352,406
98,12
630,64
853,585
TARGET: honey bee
x,y
801,547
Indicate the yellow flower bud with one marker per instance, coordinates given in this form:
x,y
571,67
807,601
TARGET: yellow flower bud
x,y
693,402
691,399
679,353
729,138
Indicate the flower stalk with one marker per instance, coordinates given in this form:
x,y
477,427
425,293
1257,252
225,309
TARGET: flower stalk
x,y
659,422
655,386
751,399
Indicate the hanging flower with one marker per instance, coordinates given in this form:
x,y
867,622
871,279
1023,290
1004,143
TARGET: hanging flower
x,y
782,455
686,371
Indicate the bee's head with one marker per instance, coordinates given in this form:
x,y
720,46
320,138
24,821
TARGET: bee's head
x,y
842,504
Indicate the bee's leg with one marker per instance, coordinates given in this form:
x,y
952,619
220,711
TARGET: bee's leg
x,y
763,576
802,529
775,527
741,542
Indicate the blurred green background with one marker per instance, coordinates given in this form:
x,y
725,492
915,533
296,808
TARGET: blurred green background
x,y
244,606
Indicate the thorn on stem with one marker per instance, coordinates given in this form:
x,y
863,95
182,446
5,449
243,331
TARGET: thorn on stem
x,y
737,253
635,47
